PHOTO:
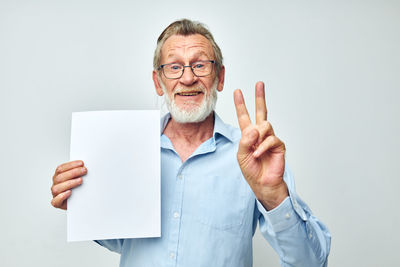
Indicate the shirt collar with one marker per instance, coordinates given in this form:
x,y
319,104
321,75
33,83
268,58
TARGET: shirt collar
x,y
220,128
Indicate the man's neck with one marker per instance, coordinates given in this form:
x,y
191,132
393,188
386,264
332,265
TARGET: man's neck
x,y
187,137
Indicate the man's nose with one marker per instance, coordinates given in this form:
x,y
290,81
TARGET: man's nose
x,y
188,76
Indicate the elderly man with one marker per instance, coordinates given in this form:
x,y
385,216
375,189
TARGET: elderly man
x,y
218,182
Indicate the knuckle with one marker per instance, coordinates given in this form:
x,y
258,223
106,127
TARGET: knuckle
x,y
283,146
77,171
58,169
74,172
265,124
73,183
57,179
265,129
274,139
54,190
251,136
53,203
247,131
278,140
243,117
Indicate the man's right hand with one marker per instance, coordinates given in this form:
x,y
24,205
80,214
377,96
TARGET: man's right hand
x,y
66,177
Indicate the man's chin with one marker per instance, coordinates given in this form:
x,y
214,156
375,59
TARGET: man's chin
x,y
189,115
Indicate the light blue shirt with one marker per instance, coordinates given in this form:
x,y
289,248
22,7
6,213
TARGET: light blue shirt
x,y
209,214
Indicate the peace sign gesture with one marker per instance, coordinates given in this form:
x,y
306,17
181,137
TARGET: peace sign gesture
x,y
261,155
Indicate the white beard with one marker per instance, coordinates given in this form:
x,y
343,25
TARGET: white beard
x,y
196,114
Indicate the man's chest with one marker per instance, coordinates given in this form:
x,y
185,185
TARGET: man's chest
x,y
208,189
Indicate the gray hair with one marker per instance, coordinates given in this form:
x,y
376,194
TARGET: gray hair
x,y
187,27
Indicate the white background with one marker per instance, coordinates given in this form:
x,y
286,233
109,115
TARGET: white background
x,y
332,75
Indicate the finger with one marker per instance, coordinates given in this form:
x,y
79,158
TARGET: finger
x,y
261,108
270,143
70,174
68,166
265,129
241,110
249,138
64,186
60,201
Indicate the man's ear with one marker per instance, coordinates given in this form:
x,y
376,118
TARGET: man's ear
x,y
157,84
221,79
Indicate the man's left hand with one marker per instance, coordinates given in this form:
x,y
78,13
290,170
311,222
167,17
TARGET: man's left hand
x,y
261,155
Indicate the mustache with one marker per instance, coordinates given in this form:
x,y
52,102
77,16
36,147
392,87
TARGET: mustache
x,y
190,89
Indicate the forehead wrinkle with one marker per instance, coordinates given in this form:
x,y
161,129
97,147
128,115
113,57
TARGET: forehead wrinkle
x,y
186,46
196,54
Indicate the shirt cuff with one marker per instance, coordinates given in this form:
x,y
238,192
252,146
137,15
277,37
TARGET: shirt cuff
x,y
282,217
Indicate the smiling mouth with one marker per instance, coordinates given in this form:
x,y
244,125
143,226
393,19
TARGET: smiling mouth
x,y
189,93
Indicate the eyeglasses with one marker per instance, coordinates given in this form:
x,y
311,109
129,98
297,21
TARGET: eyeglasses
x,y
199,68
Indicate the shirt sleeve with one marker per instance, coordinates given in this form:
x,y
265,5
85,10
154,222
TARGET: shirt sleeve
x,y
114,245
294,232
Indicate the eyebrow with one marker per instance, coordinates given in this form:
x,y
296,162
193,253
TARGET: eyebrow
x,y
196,55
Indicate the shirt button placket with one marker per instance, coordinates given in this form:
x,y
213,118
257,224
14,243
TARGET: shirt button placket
x,y
176,219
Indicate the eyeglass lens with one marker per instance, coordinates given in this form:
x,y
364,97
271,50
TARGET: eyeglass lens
x,y
175,70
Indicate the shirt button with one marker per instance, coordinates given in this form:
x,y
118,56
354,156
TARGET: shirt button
x,y
180,176
287,215
176,215
310,235
172,255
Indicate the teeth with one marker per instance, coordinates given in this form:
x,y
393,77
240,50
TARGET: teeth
x,y
189,94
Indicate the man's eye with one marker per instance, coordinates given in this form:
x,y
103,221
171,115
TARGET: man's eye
x,y
175,67
198,66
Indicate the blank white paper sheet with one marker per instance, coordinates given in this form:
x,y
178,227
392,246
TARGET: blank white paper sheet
x,y
120,195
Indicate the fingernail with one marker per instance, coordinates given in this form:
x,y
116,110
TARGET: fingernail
x,y
256,153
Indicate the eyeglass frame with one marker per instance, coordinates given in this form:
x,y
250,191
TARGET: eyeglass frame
x,y
161,67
